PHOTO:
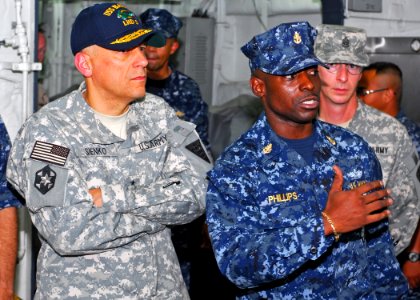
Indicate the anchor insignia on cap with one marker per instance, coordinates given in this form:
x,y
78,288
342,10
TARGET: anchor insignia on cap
x,y
297,38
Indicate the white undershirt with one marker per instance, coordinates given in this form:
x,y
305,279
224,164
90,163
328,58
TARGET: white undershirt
x,y
116,124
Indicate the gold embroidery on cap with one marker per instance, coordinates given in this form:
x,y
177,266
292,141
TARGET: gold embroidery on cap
x,y
297,38
267,149
132,36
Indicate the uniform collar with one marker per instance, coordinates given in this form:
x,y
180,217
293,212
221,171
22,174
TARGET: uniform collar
x,y
267,148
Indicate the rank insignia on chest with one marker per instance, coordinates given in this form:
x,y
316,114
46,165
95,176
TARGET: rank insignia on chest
x,y
267,149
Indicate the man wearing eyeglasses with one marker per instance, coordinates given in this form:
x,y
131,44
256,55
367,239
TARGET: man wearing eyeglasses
x,y
343,50
381,88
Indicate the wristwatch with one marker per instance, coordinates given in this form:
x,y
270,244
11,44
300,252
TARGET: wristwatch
x,y
413,256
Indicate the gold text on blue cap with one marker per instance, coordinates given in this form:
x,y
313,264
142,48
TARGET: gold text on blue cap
x,y
132,36
111,9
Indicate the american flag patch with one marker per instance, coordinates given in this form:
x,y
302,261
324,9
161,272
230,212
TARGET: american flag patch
x,y
50,153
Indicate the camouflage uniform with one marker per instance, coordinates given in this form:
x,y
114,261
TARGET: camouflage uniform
x,y
7,199
183,94
122,250
389,139
398,158
264,206
412,128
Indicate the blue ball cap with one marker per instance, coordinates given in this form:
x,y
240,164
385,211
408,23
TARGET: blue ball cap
x,y
283,50
161,20
111,26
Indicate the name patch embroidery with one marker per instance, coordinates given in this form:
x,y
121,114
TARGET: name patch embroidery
x,y
155,143
50,153
284,197
381,150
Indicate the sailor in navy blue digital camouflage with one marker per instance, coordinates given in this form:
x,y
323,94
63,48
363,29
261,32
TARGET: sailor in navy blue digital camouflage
x,y
179,90
106,170
7,198
295,207
8,222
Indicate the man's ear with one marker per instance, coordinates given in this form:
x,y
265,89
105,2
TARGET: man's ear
x,y
82,63
391,95
257,86
174,46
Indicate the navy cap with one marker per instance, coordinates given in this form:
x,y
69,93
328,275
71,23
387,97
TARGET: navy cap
x,y
161,20
111,26
283,50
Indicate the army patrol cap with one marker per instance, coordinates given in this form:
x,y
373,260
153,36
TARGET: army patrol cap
x,y
161,20
282,50
111,26
341,44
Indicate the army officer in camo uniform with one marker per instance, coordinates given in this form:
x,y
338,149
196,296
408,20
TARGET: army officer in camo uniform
x,y
106,169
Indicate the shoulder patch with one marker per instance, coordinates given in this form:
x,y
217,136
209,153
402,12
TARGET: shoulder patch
x,y
45,179
196,148
50,153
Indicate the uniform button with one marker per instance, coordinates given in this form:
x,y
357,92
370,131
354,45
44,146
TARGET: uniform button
x,y
313,250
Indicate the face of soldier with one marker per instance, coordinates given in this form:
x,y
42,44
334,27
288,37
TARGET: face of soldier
x,y
377,90
288,99
115,77
338,87
158,58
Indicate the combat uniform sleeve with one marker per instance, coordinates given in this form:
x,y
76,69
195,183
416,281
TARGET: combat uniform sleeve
x,y
57,196
178,195
404,184
251,252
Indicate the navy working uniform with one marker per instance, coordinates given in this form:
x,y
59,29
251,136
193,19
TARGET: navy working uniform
x,y
7,199
183,94
148,181
264,204
179,90
412,128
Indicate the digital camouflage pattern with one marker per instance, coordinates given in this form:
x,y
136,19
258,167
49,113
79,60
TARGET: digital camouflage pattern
x,y
7,199
161,20
282,50
182,93
400,167
264,206
412,128
149,181
341,44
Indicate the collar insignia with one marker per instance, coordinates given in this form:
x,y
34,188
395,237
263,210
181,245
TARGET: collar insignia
x,y
331,140
267,149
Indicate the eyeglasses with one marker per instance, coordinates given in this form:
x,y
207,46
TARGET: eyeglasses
x,y
352,69
363,92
